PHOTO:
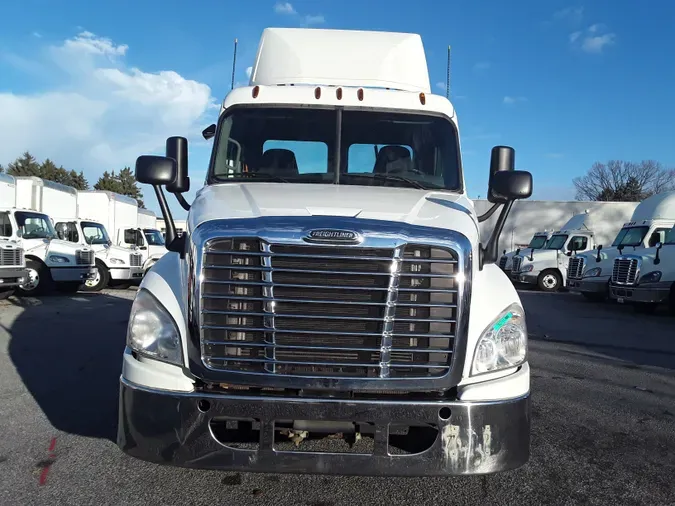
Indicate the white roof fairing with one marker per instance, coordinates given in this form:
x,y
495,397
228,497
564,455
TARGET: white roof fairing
x,y
341,58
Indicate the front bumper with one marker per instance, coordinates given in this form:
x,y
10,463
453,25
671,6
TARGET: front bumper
x,y
654,293
529,278
12,276
72,274
587,285
169,428
126,273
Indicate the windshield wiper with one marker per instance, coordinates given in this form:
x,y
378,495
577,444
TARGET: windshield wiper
x,y
264,175
388,177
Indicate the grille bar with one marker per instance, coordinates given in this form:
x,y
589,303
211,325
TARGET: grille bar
x,y
575,268
307,310
11,257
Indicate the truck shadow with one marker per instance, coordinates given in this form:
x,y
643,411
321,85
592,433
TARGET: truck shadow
x,y
68,353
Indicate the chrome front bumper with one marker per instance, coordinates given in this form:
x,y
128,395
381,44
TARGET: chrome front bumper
x,y
12,276
181,429
126,273
72,274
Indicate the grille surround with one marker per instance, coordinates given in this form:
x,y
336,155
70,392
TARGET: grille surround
x,y
12,257
135,260
626,270
516,263
291,231
575,267
84,257
503,260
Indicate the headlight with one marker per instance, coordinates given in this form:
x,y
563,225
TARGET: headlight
x,y
593,273
527,268
651,277
503,343
116,261
152,331
58,259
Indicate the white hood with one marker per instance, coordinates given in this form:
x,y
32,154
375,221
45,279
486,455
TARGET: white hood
x,y
412,206
542,258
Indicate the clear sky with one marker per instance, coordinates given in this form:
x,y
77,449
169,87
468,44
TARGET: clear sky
x,y
94,84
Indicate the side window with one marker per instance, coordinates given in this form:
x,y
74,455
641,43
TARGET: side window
x,y
578,243
658,236
130,236
67,231
294,157
5,225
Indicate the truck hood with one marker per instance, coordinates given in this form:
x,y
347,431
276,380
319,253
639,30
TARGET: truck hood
x,y
541,259
406,205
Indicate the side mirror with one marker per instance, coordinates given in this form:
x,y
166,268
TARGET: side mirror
x,y
532,255
502,159
659,245
209,132
177,148
597,257
504,252
155,170
657,258
510,185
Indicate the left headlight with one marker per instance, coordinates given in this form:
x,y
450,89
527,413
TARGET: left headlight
x,y
593,273
152,331
527,268
651,277
58,259
503,343
116,261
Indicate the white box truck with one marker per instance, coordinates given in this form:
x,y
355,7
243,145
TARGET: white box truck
x,y
590,273
646,278
153,239
50,262
12,260
331,280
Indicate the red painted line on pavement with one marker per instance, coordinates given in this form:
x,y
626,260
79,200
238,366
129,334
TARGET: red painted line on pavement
x,y
52,456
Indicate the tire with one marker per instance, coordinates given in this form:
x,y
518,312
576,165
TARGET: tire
x,y
100,281
549,281
68,287
645,307
6,294
39,280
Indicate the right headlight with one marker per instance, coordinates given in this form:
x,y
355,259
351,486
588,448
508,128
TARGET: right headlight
x,y
593,273
503,343
152,331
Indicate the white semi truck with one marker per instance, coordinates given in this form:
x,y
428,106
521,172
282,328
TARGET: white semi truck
x,y
81,218
538,241
12,260
646,278
50,262
547,267
153,239
331,280
589,273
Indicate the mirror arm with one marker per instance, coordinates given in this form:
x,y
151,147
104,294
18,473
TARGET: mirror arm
x,y
488,213
173,243
181,200
490,253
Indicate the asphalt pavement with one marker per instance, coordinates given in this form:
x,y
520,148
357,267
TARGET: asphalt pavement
x,y
603,417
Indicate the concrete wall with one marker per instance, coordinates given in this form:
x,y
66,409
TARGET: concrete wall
x,y
530,216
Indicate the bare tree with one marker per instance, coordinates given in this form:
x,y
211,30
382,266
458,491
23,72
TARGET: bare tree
x,y
619,180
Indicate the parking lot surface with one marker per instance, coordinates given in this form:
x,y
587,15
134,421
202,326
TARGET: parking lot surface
x,y
603,417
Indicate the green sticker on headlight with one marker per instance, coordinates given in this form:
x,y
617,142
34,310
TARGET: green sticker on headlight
x,y
502,321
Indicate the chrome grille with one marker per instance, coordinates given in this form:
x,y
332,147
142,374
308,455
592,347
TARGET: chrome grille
x,y
328,311
11,257
625,271
575,268
84,257
135,260
516,262
502,262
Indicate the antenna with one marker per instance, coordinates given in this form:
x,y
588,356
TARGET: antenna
x,y
447,78
234,62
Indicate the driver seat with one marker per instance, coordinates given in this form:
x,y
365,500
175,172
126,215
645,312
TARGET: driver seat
x,y
393,158
280,162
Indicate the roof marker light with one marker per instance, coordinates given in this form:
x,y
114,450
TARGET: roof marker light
x,y
317,92
338,93
256,90
359,94
423,99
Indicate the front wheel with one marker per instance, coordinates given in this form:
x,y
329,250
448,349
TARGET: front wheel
x,y
100,281
39,280
549,281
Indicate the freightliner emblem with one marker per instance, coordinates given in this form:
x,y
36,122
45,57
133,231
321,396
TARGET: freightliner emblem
x,y
333,236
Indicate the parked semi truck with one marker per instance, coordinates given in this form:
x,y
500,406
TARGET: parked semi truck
x,y
50,262
538,241
12,260
331,281
547,268
153,239
646,278
590,273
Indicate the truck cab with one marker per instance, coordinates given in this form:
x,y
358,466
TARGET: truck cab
x,y
114,264
12,260
538,241
331,282
149,241
646,279
590,273
547,267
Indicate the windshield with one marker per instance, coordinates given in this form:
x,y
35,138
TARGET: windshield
x,y
94,233
556,242
537,242
154,237
34,225
630,236
305,145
